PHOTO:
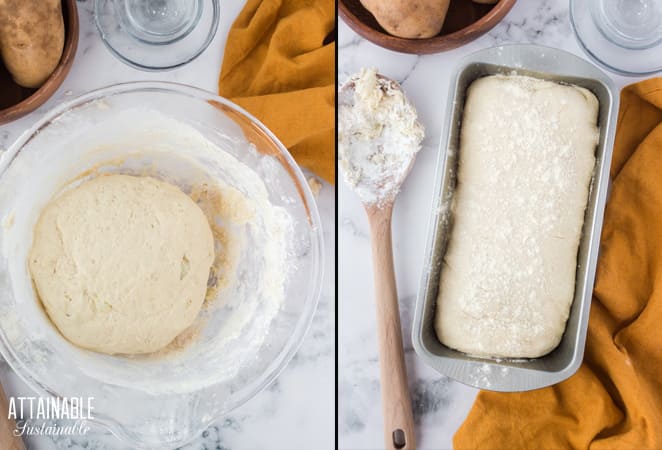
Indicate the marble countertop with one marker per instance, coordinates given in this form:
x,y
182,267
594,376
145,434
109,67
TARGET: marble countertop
x,y
295,412
440,404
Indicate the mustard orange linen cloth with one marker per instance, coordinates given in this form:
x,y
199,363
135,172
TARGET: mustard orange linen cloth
x,y
614,401
279,65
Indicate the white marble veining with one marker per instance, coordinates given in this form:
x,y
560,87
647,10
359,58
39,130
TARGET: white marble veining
x,y
440,405
297,411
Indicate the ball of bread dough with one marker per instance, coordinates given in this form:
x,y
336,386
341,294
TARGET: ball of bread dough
x,y
121,263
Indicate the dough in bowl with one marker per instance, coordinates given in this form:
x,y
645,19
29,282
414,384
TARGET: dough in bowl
x,y
121,263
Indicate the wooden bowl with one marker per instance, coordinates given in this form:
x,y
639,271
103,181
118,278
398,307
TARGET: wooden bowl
x,y
17,101
465,21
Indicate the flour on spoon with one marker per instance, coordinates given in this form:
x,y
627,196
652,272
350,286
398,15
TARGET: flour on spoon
x,y
378,136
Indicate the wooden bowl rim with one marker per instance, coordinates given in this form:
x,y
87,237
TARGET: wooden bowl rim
x,y
55,80
435,44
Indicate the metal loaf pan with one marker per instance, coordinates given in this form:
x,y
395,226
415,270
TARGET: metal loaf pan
x,y
515,375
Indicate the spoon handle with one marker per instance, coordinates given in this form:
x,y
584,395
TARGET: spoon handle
x,y
399,430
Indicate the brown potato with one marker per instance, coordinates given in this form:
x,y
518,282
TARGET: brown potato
x,y
31,39
414,19
486,2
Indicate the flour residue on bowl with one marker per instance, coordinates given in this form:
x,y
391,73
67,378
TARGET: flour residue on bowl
x,y
252,235
223,205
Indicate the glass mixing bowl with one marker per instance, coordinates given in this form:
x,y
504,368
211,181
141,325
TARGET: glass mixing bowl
x,y
242,343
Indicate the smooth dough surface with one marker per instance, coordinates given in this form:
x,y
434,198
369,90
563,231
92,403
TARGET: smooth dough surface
x,y
121,263
526,159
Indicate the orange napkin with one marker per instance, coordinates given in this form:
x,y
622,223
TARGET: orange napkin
x,y
614,401
279,65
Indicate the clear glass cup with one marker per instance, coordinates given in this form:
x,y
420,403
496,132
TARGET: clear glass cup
x,y
624,36
156,34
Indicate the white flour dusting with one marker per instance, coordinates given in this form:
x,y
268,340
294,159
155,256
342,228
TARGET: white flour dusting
x,y
378,136
526,159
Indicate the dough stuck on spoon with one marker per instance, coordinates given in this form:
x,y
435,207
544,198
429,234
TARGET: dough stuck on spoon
x,y
121,263
379,136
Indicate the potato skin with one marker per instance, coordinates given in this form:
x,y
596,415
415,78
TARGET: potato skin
x,y
412,19
31,39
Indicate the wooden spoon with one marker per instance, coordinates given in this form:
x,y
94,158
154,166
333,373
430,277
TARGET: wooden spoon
x,y
399,431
